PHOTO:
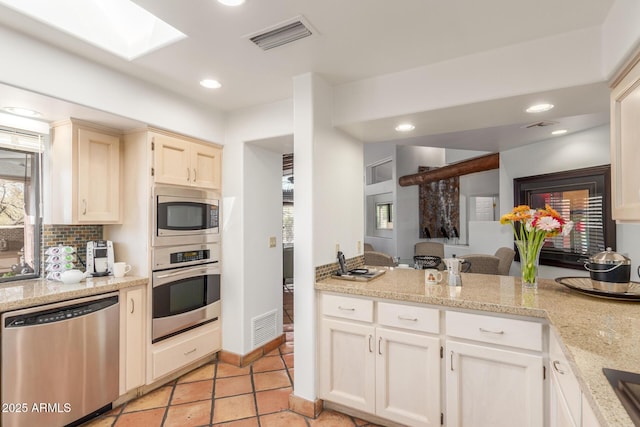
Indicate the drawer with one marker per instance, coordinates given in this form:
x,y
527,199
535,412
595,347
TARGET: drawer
x,y
347,308
173,355
564,376
409,317
495,330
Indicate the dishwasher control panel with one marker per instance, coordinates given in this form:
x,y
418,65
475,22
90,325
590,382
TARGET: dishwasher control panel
x,y
57,315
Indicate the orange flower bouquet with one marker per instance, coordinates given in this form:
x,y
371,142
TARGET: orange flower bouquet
x,y
535,226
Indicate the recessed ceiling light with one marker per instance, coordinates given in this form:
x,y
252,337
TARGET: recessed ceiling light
x,y
559,132
405,127
26,112
210,84
539,108
231,2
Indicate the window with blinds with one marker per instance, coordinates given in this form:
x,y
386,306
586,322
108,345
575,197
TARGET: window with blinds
x,y
20,222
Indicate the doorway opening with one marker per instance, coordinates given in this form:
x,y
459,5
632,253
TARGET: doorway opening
x,y
287,242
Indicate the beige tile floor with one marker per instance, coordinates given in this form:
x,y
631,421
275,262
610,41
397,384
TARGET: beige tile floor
x,y
219,394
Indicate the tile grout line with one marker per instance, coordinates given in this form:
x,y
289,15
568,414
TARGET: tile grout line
x,y
213,391
166,409
255,395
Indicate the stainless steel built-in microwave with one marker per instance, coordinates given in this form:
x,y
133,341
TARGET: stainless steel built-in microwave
x,y
184,215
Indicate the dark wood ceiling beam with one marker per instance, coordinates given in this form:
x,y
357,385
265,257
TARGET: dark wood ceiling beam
x,y
465,167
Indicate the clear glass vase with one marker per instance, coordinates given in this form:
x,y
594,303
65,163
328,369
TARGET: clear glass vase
x,y
529,262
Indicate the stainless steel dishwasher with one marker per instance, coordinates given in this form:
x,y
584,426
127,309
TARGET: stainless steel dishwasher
x,y
59,361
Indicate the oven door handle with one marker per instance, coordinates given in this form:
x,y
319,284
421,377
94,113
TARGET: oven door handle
x,y
188,271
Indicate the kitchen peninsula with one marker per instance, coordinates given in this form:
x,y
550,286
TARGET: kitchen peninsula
x,y
594,333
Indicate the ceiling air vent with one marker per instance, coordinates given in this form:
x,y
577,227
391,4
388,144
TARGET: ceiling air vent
x,y
283,33
540,124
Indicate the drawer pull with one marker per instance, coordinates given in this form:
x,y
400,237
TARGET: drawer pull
x,y
413,319
370,349
190,351
451,360
491,332
555,364
346,308
380,346
133,305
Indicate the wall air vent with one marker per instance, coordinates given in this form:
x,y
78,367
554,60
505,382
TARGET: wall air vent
x,y
285,32
263,328
540,124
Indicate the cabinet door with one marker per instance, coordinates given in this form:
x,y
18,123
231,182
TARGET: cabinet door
x,y
171,160
558,407
347,364
206,165
625,150
487,386
98,177
408,377
589,418
132,342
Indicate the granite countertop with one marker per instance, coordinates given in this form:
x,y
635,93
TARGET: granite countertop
x,y
595,332
29,293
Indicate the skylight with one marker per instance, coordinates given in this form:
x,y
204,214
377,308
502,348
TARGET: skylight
x,y
118,26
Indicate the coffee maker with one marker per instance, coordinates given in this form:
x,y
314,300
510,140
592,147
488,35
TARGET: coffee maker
x,y
100,257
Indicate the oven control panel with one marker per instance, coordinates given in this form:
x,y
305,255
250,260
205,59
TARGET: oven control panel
x,y
189,256
167,257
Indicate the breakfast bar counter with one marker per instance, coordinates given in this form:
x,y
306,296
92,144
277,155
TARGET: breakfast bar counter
x,y
29,293
596,333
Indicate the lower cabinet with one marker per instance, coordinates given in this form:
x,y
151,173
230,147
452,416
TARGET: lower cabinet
x,y
132,338
392,373
494,371
177,352
493,387
393,360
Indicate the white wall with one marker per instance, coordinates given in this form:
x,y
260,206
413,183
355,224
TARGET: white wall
x,y
620,34
499,73
262,220
41,68
579,150
238,284
329,210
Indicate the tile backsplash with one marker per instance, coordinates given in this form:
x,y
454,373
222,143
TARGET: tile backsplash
x,y
70,235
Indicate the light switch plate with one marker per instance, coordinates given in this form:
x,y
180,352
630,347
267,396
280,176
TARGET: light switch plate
x,y
272,241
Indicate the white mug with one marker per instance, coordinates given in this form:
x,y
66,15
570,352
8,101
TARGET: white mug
x,y
100,265
432,276
120,269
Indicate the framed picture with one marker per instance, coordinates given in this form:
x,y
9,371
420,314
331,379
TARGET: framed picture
x,y
581,195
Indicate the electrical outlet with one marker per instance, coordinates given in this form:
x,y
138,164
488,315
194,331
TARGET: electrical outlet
x,y
337,247
272,241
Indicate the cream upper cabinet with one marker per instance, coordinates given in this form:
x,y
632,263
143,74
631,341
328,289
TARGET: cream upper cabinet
x,y
85,174
179,161
625,148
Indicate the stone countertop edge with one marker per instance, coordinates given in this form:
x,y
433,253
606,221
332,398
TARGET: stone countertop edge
x,y
21,294
594,332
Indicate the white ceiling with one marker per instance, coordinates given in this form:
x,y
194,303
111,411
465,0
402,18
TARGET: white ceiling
x,y
356,39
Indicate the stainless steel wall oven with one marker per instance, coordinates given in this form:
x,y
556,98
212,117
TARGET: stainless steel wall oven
x,y
186,288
